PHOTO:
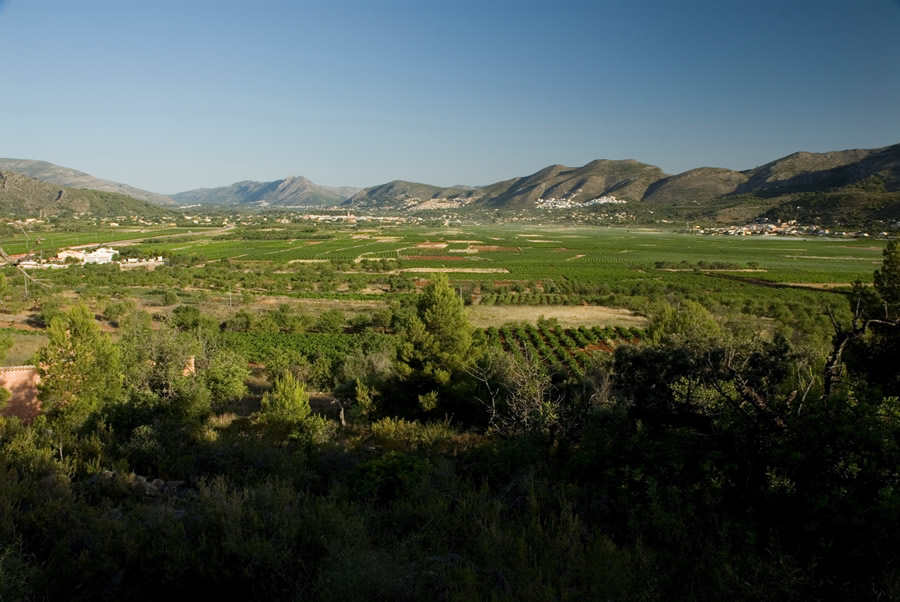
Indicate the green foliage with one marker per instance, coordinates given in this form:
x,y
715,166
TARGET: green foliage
x,y
887,278
288,402
116,309
186,317
331,321
386,478
225,376
437,342
157,360
6,343
51,307
688,324
242,321
79,367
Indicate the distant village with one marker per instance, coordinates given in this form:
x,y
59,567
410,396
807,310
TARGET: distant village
x,y
764,227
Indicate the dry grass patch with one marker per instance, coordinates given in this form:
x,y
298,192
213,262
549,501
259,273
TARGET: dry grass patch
x,y
569,316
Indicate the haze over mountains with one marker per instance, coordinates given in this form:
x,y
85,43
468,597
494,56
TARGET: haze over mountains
x,y
876,171
291,191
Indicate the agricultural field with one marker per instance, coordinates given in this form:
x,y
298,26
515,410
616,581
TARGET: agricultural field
x,y
561,350
579,276
15,241
525,253
482,252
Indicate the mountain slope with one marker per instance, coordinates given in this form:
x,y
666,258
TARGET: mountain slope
x,y
21,196
291,191
627,179
699,184
71,178
400,191
806,172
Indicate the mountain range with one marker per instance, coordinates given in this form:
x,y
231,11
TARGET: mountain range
x,y
631,180
816,183
72,178
291,191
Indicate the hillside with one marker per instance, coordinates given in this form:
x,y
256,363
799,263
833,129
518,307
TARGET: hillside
x,y
21,196
71,178
852,186
625,179
291,191
400,191
699,184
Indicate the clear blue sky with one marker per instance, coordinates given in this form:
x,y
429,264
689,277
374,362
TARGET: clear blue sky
x,y
171,95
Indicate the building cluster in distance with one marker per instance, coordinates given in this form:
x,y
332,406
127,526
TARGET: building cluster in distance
x,y
570,203
763,227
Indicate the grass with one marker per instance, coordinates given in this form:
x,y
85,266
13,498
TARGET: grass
x,y
25,345
567,316
36,241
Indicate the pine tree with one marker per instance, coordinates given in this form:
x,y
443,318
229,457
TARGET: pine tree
x,y
79,368
437,343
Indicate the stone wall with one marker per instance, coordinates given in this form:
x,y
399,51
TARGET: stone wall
x,y
21,382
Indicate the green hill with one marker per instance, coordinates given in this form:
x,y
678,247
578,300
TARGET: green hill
x,y
21,196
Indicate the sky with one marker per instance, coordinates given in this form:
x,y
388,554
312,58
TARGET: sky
x,y
172,95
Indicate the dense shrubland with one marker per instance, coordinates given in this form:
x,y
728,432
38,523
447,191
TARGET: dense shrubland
x,y
712,459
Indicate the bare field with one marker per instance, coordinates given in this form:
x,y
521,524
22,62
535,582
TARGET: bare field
x,y
569,316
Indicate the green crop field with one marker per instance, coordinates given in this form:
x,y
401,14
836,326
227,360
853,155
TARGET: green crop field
x,y
18,242
507,265
528,253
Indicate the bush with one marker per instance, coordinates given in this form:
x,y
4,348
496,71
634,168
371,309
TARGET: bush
x,y
331,321
287,402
